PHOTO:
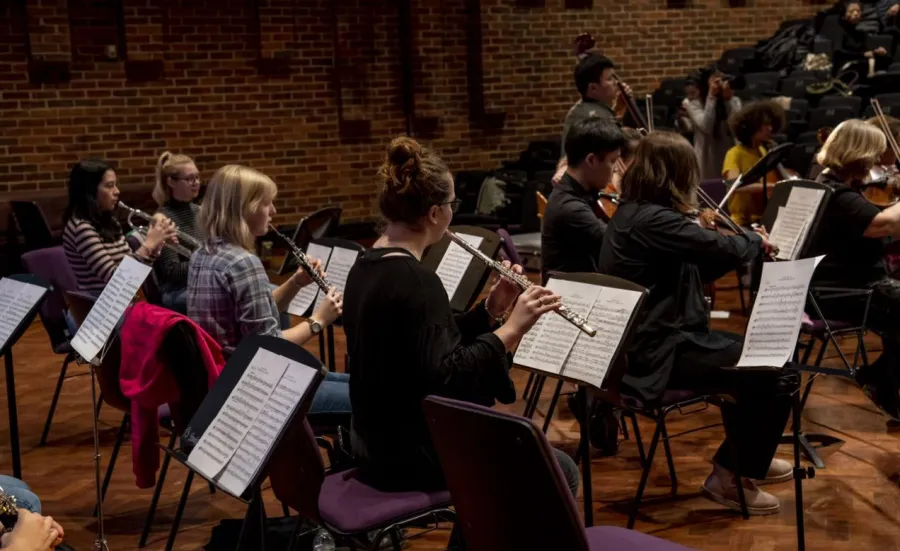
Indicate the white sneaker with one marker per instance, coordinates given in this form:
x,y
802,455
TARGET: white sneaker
x,y
779,471
722,489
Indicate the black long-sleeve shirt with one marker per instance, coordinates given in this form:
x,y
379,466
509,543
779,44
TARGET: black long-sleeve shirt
x,y
669,254
571,234
404,344
171,268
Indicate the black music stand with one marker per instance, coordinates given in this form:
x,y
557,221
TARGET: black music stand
x,y
252,535
476,274
808,442
610,389
333,242
7,353
761,169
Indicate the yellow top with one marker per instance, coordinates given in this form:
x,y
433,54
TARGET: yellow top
x,y
746,208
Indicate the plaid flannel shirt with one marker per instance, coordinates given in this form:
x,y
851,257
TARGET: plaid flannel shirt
x,y
229,294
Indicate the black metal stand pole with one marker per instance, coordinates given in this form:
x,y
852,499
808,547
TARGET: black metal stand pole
x,y
13,414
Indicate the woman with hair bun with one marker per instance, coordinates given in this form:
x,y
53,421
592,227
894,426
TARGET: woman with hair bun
x,y
177,186
404,341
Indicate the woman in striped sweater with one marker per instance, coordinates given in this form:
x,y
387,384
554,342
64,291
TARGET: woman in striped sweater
x,y
177,185
93,239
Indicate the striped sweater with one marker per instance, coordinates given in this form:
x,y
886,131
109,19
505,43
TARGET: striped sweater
x,y
93,260
171,268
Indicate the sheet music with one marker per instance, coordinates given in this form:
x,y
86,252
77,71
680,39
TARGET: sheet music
x,y
793,221
338,269
256,446
305,298
775,321
547,345
591,356
101,321
455,263
17,298
238,414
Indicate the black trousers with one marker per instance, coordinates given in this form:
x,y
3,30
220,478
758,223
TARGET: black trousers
x,y
755,415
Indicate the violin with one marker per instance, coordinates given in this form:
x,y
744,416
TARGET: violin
x,y
883,189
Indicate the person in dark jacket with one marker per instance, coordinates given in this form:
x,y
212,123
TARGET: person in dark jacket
x,y
653,242
404,342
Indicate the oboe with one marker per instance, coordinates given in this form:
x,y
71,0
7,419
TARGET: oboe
x,y
520,280
303,260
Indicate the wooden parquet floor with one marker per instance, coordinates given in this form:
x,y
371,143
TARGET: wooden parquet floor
x,y
853,504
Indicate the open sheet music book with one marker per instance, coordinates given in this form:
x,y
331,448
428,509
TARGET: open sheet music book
x,y
17,300
557,347
235,445
101,321
455,262
777,313
794,220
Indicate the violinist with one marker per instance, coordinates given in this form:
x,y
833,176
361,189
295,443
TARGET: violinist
x,y
571,232
632,139
596,83
852,233
753,126
652,242
887,165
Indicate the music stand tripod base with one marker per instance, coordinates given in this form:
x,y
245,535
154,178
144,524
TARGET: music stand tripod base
x,y
812,442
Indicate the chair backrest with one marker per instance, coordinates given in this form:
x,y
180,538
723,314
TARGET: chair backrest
x,y
508,248
296,470
541,204
715,188
801,157
33,224
800,105
851,102
829,116
885,41
80,304
888,99
52,266
502,475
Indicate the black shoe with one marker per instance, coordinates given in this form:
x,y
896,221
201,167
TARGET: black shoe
x,y
604,434
880,387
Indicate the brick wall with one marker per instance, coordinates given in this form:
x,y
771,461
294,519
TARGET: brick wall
x,y
253,81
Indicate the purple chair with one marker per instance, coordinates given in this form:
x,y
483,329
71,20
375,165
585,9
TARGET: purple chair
x,y
51,265
503,475
340,502
508,249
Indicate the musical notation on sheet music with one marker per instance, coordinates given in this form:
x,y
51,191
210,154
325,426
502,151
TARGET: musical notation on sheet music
x,y
17,298
255,447
455,262
238,414
775,321
304,298
547,345
338,269
590,358
793,221
108,309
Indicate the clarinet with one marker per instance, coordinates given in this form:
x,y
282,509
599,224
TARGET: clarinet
x,y
520,280
303,260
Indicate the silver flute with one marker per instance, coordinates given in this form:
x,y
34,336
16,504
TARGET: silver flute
x,y
304,262
520,280
186,244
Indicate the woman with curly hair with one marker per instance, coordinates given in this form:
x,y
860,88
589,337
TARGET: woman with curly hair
x,y
753,127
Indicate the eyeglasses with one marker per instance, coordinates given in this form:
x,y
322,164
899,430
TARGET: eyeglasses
x,y
191,178
454,204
